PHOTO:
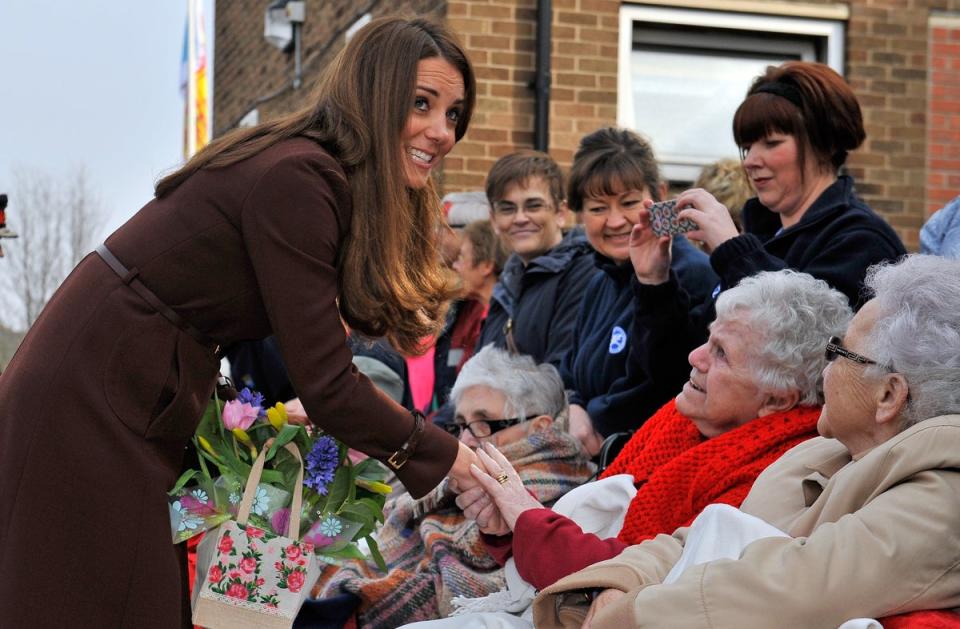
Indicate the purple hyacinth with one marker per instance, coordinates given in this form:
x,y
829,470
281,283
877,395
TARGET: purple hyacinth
x,y
253,398
322,461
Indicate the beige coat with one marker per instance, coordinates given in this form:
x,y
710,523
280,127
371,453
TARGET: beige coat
x,y
871,538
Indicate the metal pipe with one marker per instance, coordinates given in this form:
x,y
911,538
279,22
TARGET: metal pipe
x,y
541,81
297,66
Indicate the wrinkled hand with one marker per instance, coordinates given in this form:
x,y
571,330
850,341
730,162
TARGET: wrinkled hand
x,y
296,414
477,505
649,253
581,427
712,217
603,599
460,477
509,497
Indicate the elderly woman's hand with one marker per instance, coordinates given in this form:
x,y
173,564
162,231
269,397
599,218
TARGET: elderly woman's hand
x,y
477,505
502,484
649,253
712,217
603,599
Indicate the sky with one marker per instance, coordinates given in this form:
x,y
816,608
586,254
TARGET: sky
x,y
94,84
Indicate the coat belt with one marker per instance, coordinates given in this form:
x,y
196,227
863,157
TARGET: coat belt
x,y
129,277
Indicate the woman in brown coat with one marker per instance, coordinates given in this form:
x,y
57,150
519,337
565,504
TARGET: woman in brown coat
x,y
283,228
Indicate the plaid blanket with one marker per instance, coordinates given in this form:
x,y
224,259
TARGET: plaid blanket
x,y
433,553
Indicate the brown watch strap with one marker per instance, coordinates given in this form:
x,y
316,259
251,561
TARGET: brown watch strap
x,y
400,457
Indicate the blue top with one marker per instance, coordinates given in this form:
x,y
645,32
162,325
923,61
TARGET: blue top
x,y
617,369
940,235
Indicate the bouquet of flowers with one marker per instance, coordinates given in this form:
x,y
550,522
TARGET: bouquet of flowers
x,y
342,501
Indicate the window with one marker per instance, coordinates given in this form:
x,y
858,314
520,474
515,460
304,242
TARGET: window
x,y
683,72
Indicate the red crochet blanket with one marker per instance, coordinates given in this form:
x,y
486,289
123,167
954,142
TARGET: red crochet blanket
x,y
678,472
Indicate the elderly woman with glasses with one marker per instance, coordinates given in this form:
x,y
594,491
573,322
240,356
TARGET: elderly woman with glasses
x,y
431,550
869,510
753,393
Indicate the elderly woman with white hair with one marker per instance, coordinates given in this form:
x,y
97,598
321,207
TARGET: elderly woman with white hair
x,y
754,392
432,551
869,510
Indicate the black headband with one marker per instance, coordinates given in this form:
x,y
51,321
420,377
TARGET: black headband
x,y
783,90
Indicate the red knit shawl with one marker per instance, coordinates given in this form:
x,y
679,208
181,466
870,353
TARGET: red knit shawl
x,y
678,472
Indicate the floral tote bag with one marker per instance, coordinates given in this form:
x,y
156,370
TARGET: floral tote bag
x,y
248,577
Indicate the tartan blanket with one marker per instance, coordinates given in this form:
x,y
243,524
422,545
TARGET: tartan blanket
x,y
433,553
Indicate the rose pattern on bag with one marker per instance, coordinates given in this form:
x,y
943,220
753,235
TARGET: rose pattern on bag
x,y
238,569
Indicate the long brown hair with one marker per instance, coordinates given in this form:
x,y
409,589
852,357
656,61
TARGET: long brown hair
x,y
390,276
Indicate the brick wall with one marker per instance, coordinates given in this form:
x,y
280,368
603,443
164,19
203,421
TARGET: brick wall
x,y
248,69
888,61
906,80
943,112
499,35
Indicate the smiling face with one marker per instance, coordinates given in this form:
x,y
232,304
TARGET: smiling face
x,y
782,183
722,392
527,218
430,131
609,219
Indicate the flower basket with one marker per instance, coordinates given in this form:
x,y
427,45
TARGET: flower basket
x,y
342,501
251,578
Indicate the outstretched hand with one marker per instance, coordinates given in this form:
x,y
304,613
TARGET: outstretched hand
x,y
460,477
503,485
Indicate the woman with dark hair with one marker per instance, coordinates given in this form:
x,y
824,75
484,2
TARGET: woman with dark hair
x,y
607,371
795,128
283,229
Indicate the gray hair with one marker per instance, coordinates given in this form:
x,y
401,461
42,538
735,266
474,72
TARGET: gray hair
x,y
529,388
917,331
793,315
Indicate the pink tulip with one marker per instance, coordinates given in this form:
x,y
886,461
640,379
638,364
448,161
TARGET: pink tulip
x,y
238,414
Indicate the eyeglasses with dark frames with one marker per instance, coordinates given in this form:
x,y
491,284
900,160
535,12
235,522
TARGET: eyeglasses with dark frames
x,y
835,348
485,427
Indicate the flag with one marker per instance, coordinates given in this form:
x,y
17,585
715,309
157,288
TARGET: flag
x,y
193,81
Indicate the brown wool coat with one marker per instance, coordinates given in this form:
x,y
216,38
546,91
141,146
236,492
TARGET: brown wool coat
x,y
99,402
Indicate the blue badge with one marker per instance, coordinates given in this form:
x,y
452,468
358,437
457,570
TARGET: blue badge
x,y
716,291
618,340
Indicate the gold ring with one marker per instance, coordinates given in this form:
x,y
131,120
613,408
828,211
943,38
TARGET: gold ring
x,y
502,478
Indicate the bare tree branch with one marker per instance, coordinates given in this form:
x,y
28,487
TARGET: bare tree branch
x,y
57,221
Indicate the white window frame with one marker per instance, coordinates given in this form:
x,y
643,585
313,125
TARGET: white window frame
x,y
831,31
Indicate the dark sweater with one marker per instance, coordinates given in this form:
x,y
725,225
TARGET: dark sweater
x,y
617,370
837,239
541,300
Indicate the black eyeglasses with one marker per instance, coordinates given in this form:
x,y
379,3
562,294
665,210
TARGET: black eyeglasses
x,y
835,348
485,427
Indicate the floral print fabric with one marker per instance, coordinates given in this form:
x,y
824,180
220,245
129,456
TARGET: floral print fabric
x,y
253,569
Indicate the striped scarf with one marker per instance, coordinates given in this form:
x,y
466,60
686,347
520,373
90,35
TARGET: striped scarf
x,y
434,553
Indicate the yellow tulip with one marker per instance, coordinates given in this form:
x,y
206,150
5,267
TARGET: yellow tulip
x,y
244,438
206,446
277,416
374,486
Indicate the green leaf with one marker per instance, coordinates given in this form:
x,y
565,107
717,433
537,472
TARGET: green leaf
x,y
371,469
186,476
350,551
339,489
376,508
287,433
375,553
359,513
